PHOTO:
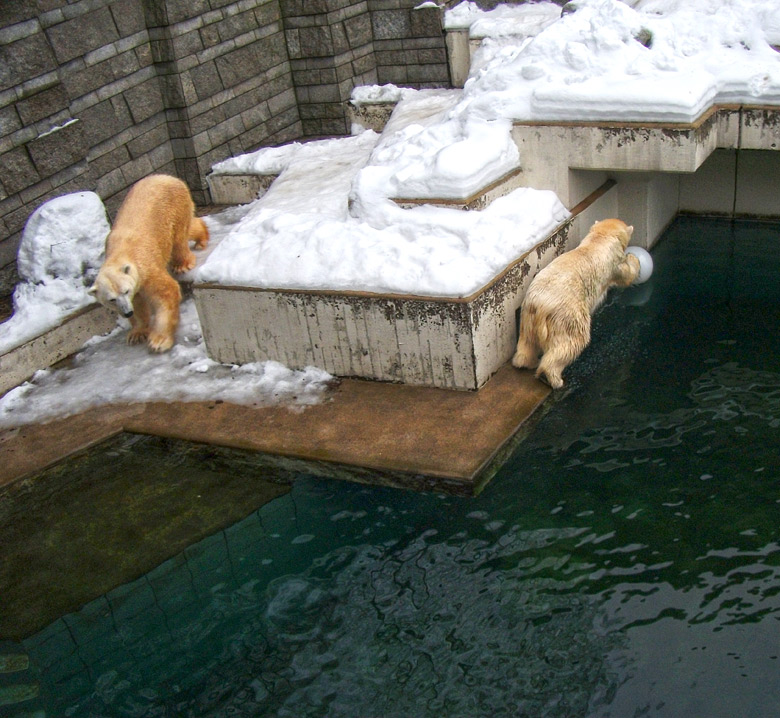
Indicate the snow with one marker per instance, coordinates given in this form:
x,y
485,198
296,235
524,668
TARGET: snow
x,y
329,220
109,371
59,255
590,64
301,235
518,20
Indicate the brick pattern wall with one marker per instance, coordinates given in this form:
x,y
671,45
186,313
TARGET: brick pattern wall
x,y
409,44
331,51
335,45
95,94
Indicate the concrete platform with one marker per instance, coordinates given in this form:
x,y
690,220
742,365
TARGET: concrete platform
x,y
419,438
53,345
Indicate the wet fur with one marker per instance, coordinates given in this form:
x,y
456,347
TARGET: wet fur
x,y
150,236
556,314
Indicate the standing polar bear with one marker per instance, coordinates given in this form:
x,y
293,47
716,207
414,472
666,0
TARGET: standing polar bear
x,y
555,318
150,235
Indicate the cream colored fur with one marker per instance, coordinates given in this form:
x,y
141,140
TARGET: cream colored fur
x,y
556,314
150,235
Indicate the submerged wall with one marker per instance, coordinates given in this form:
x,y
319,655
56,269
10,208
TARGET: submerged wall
x,y
95,94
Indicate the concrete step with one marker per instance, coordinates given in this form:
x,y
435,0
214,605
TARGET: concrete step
x,y
21,362
453,343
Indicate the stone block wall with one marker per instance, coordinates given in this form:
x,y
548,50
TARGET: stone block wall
x,y
409,45
331,50
335,45
95,94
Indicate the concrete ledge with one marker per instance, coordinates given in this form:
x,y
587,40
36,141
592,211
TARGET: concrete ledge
x,y
370,115
453,343
20,363
642,146
616,146
424,341
229,189
479,200
371,432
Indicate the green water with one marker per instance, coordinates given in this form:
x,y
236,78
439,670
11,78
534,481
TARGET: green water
x,y
624,562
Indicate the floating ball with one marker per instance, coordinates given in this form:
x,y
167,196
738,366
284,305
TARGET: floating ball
x,y
645,263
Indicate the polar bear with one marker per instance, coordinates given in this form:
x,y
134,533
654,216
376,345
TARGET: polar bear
x,y
150,235
556,312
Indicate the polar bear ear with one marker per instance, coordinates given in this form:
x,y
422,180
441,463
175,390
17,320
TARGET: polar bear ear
x,y
630,229
92,290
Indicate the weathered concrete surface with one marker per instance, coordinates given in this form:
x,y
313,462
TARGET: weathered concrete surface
x,y
730,183
370,115
425,341
379,433
612,147
230,189
22,362
458,55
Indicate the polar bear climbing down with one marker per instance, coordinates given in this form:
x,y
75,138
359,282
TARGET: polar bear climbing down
x,y
555,318
150,235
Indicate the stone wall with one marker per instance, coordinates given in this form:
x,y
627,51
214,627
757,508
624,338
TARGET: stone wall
x,y
335,45
95,94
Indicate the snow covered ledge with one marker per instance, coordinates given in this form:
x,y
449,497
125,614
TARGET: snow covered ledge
x,y
452,343
59,255
54,344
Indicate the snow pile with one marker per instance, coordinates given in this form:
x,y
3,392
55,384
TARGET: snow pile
x,y
109,371
59,256
429,150
662,60
328,220
301,235
368,94
518,20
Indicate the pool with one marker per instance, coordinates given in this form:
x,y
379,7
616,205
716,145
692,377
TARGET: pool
x,y
624,562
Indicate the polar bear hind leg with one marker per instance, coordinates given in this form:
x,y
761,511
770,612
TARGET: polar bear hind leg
x,y
199,232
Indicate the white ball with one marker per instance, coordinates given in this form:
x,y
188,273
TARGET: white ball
x,y
645,263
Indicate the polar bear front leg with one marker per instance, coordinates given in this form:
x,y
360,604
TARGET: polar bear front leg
x,y
139,322
627,271
165,314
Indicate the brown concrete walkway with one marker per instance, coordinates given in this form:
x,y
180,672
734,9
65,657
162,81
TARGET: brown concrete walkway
x,y
374,432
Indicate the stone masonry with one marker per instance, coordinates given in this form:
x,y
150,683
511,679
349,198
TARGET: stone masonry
x,y
95,94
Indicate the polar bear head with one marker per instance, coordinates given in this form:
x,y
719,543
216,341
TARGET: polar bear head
x,y
611,228
115,287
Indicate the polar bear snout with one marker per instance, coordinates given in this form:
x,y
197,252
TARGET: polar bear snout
x,y
124,305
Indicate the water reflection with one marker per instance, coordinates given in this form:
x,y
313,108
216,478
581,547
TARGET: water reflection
x,y
623,563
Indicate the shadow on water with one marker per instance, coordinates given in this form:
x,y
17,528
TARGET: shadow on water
x,y
624,561
109,515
